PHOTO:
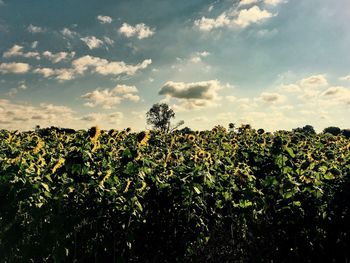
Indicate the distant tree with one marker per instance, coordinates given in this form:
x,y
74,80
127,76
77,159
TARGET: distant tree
x,y
346,133
159,116
307,129
332,130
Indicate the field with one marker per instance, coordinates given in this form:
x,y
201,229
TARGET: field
x,y
208,196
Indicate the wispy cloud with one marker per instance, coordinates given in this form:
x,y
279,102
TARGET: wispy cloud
x,y
35,29
14,91
68,33
16,51
104,19
274,2
92,42
57,57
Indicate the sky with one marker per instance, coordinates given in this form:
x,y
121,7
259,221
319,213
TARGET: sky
x,y
274,64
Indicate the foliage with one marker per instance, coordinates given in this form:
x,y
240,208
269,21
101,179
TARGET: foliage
x,y
332,130
160,115
307,129
209,196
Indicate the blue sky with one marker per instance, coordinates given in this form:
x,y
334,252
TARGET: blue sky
x,y
275,64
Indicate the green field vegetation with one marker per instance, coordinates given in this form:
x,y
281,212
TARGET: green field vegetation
x,y
209,196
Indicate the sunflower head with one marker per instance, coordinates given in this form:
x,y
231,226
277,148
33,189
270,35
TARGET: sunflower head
x,y
201,154
94,133
191,137
143,137
111,141
260,131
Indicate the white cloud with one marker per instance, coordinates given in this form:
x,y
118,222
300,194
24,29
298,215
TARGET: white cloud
x,y
26,116
68,33
2,2
193,104
140,30
14,91
247,2
92,42
55,58
274,2
290,88
16,51
314,81
271,98
191,96
208,24
108,98
104,67
46,72
34,44
16,68
197,57
97,65
35,29
125,89
206,90
132,97
250,16
60,74
105,98
231,98
345,78
108,41
104,19
337,94
233,18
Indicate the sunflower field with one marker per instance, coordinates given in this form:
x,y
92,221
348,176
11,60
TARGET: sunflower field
x,y
208,196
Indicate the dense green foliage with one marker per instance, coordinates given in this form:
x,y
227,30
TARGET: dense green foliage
x,y
210,196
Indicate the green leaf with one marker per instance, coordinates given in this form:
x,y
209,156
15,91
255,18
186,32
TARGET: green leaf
x,y
297,203
245,203
196,190
46,187
329,176
48,177
288,195
290,152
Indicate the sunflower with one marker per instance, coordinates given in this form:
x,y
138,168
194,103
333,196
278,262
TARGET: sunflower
x,y
143,137
128,183
201,154
260,131
191,137
144,185
58,165
97,145
38,146
108,174
94,133
111,141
